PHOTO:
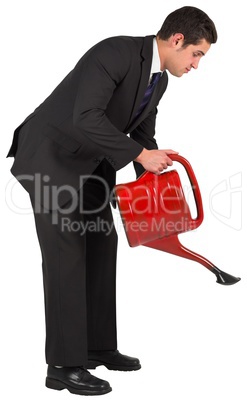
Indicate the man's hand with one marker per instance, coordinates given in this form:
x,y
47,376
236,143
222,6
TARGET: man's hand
x,y
155,160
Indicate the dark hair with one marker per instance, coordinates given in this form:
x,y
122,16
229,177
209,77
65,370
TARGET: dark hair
x,y
192,22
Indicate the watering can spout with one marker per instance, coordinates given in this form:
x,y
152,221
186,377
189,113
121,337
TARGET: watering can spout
x,y
172,245
223,278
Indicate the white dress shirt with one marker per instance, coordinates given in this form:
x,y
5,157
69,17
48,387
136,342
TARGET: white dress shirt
x,y
155,67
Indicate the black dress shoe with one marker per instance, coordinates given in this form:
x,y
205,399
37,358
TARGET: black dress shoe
x,y
76,380
113,360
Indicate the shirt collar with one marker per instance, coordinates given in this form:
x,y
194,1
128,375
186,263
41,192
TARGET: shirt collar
x,y
155,67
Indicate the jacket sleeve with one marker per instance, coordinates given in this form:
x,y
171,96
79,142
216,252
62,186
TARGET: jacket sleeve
x,y
144,134
103,69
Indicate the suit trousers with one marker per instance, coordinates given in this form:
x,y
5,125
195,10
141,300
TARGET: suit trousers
x,y
79,247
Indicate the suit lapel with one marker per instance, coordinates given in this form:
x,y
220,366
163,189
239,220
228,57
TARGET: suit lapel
x,y
146,55
156,95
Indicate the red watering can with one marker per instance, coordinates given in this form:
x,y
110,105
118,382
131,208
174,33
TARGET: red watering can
x,y
154,212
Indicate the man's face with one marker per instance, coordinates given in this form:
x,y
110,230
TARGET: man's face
x,y
182,60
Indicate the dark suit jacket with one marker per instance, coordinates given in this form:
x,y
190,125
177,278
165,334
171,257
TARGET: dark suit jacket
x,y
88,116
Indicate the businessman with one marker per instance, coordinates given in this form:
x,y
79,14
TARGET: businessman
x,y
98,119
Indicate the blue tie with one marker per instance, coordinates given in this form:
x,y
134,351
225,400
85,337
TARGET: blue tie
x,y
148,93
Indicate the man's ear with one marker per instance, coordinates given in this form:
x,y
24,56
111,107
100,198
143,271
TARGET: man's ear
x,y
177,40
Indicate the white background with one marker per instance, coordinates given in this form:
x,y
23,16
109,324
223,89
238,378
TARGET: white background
x,y
189,332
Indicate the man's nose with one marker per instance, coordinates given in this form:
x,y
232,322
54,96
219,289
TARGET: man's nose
x,y
195,64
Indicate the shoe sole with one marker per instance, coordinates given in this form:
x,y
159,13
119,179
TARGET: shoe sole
x,y
59,386
92,364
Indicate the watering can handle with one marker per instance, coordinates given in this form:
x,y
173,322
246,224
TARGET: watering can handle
x,y
194,185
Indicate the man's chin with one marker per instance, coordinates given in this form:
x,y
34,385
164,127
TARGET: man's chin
x,y
176,74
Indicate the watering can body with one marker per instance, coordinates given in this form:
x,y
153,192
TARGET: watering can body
x,y
154,212
154,206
